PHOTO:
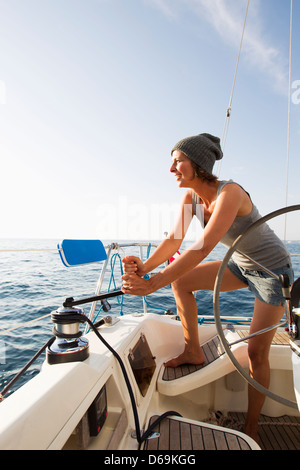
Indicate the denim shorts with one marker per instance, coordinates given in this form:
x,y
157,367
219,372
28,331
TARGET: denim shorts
x,y
265,287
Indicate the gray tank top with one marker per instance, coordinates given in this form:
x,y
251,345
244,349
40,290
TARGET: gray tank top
x,y
262,245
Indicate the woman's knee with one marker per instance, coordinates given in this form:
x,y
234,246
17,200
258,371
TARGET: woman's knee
x,y
258,353
180,287
176,286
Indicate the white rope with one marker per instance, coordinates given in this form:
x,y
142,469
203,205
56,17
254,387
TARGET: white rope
x,y
23,324
289,121
228,111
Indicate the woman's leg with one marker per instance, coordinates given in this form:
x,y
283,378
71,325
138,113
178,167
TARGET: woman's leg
x,y
200,278
264,315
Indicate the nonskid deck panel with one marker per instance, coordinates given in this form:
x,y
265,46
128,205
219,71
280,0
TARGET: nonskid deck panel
x,y
182,435
280,433
212,350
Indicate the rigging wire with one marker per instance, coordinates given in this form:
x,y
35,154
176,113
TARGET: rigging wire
x,y
228,111
289,120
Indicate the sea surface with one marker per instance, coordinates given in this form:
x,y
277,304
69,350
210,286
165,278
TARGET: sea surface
x,y
34,282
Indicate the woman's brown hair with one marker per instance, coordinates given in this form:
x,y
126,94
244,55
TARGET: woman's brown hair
x,y
204,175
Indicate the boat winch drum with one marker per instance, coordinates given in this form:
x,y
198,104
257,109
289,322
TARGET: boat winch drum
x,y
68,346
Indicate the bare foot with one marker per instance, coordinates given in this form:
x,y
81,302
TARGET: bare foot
x,y
186,358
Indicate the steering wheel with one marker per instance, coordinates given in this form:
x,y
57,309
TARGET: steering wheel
x,y
216,304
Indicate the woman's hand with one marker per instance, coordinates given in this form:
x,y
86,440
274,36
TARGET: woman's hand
x,y
133,264
133,282
136,285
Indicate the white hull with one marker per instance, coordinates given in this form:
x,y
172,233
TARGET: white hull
x,y
45,412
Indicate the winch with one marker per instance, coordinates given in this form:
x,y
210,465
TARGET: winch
x,y
68,346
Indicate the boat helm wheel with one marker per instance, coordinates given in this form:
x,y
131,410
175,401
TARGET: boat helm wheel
x,y
216,301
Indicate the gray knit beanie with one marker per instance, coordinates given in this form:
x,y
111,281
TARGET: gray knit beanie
x,y
202,149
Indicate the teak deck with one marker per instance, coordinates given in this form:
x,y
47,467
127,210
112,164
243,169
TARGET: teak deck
x,y
281,433
180,435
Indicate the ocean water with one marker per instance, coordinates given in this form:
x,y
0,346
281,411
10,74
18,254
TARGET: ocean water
x,y
34,283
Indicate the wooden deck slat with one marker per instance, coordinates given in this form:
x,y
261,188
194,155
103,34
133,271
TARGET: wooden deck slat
x,y
232,442
220,440
165,433
180,435
174,435
186,436
197,439
208,352
208,439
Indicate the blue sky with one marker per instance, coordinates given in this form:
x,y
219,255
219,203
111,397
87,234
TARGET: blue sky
x,y
95,93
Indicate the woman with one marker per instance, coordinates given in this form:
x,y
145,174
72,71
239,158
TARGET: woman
x,y
227,210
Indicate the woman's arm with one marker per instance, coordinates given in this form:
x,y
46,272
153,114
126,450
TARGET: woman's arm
x,y
225,211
